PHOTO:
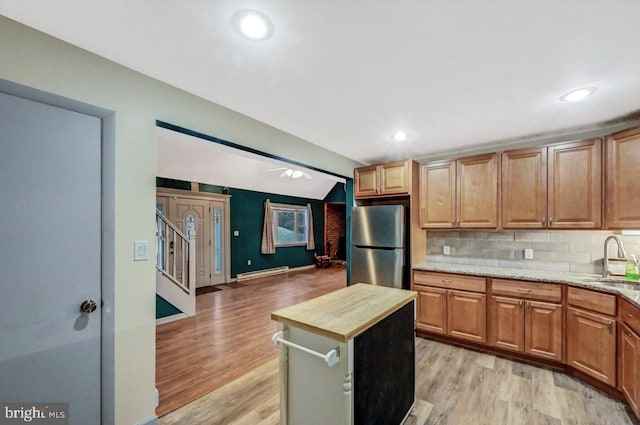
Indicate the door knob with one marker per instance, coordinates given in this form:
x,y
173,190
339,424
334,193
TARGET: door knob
x,y
88,306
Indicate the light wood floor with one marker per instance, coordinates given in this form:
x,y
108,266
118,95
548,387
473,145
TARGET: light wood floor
x,y
230,334
453,386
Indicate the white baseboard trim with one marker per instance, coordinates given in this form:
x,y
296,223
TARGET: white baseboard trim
x,y
171,318
297,269
151,420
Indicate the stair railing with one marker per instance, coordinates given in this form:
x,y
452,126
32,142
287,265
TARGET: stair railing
x,y
175,253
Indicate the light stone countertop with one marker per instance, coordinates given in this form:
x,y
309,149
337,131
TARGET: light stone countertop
x,y
574,279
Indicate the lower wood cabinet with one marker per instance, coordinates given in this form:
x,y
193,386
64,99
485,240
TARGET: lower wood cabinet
x,y
451,305
630,366
525,326
467,315
431,311
599,335
591,344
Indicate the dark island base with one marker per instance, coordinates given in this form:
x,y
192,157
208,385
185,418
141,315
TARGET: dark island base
x,y
384,370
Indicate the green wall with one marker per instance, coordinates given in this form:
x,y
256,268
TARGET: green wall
x,y
337,194
247,216
164,308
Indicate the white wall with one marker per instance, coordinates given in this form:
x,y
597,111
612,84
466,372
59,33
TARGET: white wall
x,y
31,58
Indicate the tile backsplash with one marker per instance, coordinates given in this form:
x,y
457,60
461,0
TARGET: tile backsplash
x,y
578,251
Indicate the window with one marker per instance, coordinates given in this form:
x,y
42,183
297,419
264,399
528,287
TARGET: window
x,y
289,225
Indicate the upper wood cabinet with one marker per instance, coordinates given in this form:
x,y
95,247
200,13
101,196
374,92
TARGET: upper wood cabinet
x,y
460,194
622,177
556,186
393,178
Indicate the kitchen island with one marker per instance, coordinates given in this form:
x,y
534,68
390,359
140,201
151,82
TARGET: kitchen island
x,y
348,357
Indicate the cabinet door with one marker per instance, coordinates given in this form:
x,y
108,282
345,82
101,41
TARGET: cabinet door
x,y
543,330
506,323
524,188
366,181
477,191
575,185
467,316
395,178
431,309
591,344
438,195
622,177
630,367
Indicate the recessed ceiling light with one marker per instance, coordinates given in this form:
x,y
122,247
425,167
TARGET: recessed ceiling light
x,y
400,136
578,94
252,24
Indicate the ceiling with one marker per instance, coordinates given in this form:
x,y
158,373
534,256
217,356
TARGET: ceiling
x,y
345,75
184,157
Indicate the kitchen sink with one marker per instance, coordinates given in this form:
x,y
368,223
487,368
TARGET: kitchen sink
x,y
613,282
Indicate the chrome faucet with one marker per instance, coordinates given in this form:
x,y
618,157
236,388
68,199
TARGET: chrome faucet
x,y
621,253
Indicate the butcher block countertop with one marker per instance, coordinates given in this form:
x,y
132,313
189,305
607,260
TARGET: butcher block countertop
x,y
346,313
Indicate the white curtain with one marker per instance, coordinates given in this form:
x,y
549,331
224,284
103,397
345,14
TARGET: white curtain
x,y
268,246
311,243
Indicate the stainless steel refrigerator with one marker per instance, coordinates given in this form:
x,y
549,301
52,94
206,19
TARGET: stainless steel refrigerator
x,y
378,245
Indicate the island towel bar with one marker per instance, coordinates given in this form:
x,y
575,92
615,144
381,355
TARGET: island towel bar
x,y
331,358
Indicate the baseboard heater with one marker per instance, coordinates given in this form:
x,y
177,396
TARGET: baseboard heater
x,y
262,273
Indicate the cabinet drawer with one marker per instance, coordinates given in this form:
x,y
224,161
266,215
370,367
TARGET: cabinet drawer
x,y
591,300
528,290
451,281
630,315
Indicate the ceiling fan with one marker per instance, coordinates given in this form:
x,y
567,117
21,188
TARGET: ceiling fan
x,y
291,173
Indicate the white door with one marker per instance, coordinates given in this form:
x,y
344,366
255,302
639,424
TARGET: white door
x,y
50,257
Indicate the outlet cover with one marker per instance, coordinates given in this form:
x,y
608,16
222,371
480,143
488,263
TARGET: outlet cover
x,y
528,254
446,250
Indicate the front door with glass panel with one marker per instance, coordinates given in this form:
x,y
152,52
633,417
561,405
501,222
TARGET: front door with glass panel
x,y
188,215
217,242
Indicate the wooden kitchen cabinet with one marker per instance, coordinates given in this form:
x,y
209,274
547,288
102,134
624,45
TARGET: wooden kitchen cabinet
x,y
393,178
557,186
630,366
622,176
629,361
527,326
467,315
451,305
591,333
460,194
431,311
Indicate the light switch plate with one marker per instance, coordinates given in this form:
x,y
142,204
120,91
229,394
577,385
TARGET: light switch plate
x,y
528,254
140,250
446,250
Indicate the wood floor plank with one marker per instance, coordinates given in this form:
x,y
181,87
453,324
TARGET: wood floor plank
x,y
454,386
230,334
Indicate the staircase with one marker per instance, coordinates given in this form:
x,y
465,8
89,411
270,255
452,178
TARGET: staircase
x,y
175,265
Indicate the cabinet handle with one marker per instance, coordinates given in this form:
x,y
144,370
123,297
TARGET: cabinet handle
x,y
544,221
453,222
528,305
525,290
520,304
609,326
550,221
629,315
628,334
447,281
